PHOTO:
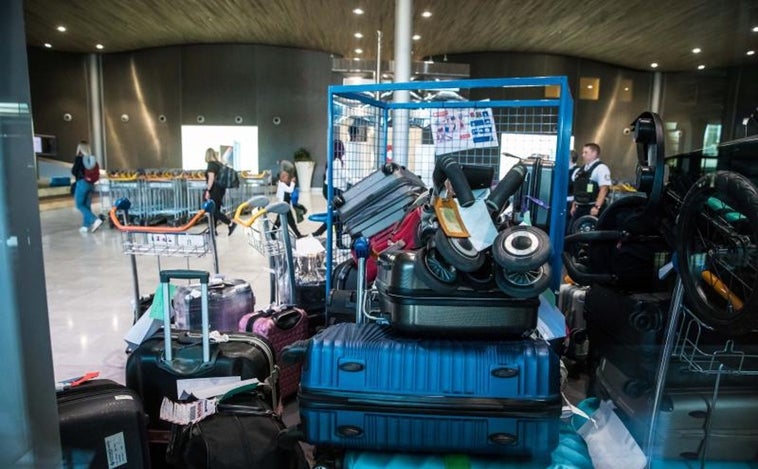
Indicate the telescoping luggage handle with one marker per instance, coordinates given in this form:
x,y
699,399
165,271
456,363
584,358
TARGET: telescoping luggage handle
x,y
203,276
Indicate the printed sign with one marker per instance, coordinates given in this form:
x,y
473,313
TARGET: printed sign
x,y
115,449
463,129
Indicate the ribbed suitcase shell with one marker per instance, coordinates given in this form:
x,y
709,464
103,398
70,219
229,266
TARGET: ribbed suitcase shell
x,y
376,187
414,308
96,412
365,387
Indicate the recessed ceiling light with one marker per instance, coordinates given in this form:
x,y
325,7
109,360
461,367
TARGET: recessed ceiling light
x,y
48,45
358,51
654,65
697,50
358,11
358,35
99,46
61,29
700,67
755,29
416,37
356,59
589,87
750,52
426,14
626,88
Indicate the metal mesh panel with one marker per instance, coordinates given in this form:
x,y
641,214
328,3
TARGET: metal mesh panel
x,y
362,129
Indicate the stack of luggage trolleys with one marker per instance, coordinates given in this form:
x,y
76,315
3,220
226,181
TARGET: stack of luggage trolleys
x,y
432,373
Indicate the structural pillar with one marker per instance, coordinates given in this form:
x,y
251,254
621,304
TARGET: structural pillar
x,y
95,78
403,21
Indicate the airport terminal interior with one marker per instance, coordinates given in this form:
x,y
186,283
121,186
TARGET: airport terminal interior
x,y
547,210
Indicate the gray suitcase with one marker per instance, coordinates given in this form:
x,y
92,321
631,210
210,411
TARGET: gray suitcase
x,y
375,188
412,307
681,427
378,218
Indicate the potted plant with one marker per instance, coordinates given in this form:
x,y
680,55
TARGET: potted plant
x,y
304,165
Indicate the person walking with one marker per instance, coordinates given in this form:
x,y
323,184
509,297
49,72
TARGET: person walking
x,y
85,163
214,191
284,189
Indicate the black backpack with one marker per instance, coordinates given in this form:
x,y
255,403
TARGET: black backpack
x,y
585,191
227,177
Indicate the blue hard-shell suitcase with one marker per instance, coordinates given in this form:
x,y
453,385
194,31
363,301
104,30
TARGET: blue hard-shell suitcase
x,y
364,387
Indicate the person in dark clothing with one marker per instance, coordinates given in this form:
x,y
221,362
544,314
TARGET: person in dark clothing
x,y
214,191
340,180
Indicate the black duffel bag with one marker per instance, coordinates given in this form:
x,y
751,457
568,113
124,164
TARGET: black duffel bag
x,y
244,433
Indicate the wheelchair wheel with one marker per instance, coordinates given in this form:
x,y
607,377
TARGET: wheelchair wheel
x,y
521,248
523,284
437,274
717,251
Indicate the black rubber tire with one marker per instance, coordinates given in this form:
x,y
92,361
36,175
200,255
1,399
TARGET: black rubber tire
x,y
434,271
583,224
458,252
508,252
701,236
523,284
483,278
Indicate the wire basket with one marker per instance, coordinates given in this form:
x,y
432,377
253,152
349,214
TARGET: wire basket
x,y
266,238
701,357
188,244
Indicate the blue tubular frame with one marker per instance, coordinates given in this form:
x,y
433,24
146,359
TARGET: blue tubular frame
x,y
565,106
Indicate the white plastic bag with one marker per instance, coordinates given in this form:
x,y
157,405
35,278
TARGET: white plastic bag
x,y
609,443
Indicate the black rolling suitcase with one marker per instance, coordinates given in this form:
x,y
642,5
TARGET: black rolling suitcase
x,y
153,368
536,192
102,424
685,414
626,328
413,308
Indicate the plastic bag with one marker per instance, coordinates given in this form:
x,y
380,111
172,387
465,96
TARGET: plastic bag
x,y
609,442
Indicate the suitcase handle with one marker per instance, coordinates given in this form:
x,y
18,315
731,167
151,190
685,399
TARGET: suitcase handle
x,y
203,277
507,186
294,353
449,169
287,319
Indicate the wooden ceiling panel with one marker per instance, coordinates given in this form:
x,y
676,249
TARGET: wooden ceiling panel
x,y
632,33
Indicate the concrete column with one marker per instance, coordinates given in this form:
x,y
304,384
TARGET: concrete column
x,y
97,136
657,94
403,22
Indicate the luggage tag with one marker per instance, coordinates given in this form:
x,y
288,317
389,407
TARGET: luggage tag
x,y
449,218
70,383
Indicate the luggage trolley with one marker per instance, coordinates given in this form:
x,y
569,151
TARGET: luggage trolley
x,y
274,243
192,239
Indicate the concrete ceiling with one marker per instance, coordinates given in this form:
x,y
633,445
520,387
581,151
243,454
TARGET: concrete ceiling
x,y
630,33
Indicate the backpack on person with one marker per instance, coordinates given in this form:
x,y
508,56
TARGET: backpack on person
x,y
585,190
227,177
91,169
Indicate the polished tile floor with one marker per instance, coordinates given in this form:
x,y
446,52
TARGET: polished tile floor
x,y
90,285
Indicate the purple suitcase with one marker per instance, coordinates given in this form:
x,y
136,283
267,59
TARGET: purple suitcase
x,y
365,387
281,326
227,303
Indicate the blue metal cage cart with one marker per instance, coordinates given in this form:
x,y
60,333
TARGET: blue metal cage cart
x,y
475,121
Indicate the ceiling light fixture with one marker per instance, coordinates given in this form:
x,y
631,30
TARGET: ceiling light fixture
x,y
426,14
61,29
358,11
358,35
48,45
755,29
589,87
416,37
358,51
99,46
626,88
701,67
654,65
697,50
356,59
750,52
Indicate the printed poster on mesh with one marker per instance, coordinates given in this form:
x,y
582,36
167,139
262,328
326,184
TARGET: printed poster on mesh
x,y
463,129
